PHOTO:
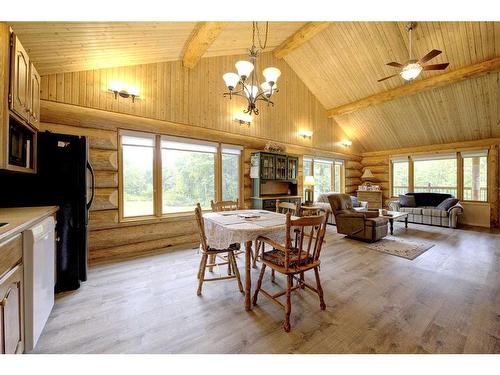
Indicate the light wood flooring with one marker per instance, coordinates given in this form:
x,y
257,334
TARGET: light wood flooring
x,y
445,301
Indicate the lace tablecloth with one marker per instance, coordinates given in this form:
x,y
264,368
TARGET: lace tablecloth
x,y
225,228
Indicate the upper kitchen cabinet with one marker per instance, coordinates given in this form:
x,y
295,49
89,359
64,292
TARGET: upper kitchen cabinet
x,y
19,105
20,98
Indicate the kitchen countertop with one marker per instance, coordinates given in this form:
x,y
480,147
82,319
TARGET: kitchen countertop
x,y
21,218
277,197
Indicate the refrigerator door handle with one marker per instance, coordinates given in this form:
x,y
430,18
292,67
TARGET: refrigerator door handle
x,y
89,167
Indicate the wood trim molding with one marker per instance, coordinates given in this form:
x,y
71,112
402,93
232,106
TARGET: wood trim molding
x,y
203,37
418,86
72,115
301,36
436,148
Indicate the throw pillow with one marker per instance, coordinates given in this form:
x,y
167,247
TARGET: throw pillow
x,y
355,202
447,204
407,201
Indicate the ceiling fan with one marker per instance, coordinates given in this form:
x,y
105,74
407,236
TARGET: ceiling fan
x,y
412,68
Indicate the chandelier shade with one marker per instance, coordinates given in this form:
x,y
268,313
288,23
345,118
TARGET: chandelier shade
x,y
271,74
244,68
251,91
231,80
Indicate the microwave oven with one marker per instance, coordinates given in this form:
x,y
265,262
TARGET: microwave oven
x,y
21,144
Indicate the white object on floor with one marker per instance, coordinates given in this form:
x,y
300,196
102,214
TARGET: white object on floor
x,y
39,279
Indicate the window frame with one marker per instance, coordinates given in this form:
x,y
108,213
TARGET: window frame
x,y
459,155
332,162
158,178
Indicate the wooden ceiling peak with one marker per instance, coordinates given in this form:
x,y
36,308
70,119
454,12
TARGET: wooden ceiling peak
x,y
301,36
418,86
203,37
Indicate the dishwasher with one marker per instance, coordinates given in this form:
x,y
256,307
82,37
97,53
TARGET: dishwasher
x,y
39,280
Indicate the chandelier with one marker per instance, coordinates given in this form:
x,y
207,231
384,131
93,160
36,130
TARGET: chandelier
x,y
246,83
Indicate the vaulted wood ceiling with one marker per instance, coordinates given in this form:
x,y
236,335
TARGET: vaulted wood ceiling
x,y
340,64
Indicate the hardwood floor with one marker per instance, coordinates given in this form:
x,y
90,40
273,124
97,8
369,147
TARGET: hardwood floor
x,y
445,301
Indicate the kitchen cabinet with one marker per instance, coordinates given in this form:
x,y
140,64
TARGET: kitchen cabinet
x,y
11,297
34,103
281,173
292,167
20,80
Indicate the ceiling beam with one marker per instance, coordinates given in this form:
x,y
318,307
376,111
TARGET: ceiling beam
x,y
203,37
418,86
300,37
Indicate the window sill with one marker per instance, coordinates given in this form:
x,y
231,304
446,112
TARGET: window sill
x,y
156,219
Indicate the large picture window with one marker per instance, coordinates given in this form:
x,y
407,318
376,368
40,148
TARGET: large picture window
x,y
328,174
439,174
163,175
475,176
138,184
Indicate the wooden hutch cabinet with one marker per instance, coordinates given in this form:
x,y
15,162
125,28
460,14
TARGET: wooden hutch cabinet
x,y
274,177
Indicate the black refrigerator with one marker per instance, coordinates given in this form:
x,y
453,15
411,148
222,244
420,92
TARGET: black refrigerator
x,y
64,178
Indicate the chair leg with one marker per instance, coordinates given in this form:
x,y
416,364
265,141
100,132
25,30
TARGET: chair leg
x,y
232,260
211,260
273,276
203,266
229,265
259,284
288,306
320,290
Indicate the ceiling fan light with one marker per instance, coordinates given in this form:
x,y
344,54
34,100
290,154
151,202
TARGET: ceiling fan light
x,y
231,80
244,68
411,71
251,91
271,74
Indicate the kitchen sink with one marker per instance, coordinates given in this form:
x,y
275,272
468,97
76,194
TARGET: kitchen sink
x,y
3,224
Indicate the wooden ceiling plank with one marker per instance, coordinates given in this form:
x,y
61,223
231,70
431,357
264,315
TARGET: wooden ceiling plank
x,y
301,36
418,86
202,39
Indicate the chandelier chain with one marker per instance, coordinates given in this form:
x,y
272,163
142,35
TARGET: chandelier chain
x,y
255,27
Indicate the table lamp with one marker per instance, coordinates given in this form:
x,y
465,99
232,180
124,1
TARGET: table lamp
x,y
309,191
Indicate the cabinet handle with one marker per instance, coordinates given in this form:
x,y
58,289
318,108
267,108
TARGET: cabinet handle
x,y
5,299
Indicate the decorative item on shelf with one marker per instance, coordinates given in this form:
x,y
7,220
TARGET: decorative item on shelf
x,y
118,88
346,143
247,78
243,118
306,134
274,147
309,190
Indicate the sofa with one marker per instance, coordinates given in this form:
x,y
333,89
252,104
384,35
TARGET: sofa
x,y
366,225
429,208
323,202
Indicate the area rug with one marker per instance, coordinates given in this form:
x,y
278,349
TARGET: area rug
x,y
402,248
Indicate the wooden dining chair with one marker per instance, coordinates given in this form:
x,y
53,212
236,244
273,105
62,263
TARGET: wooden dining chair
x,y
207,252
300,253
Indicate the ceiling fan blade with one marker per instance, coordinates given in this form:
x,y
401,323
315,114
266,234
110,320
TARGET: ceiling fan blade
x,y
395,64
429,56
436,66
383,79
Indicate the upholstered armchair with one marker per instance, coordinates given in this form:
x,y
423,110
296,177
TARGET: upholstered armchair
x,y
366,225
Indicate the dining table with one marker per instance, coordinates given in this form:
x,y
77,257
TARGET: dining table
x,y
224,228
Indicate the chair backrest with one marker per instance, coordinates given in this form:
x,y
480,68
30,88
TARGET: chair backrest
x,y
305,234
225,205
340,203
287,207
201,226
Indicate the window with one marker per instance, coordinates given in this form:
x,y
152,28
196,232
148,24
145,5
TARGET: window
x,y
322,176
436,174
137,161
188,174
328,174
475,176
400,171
231,159
164,174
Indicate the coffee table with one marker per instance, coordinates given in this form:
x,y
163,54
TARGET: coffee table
x,y
393,215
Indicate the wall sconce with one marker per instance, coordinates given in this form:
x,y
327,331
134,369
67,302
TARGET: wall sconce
x,y
306,134
118,88
243,118
346,143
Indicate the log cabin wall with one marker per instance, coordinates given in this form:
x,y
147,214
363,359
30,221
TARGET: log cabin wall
x,y
379,163
183,103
